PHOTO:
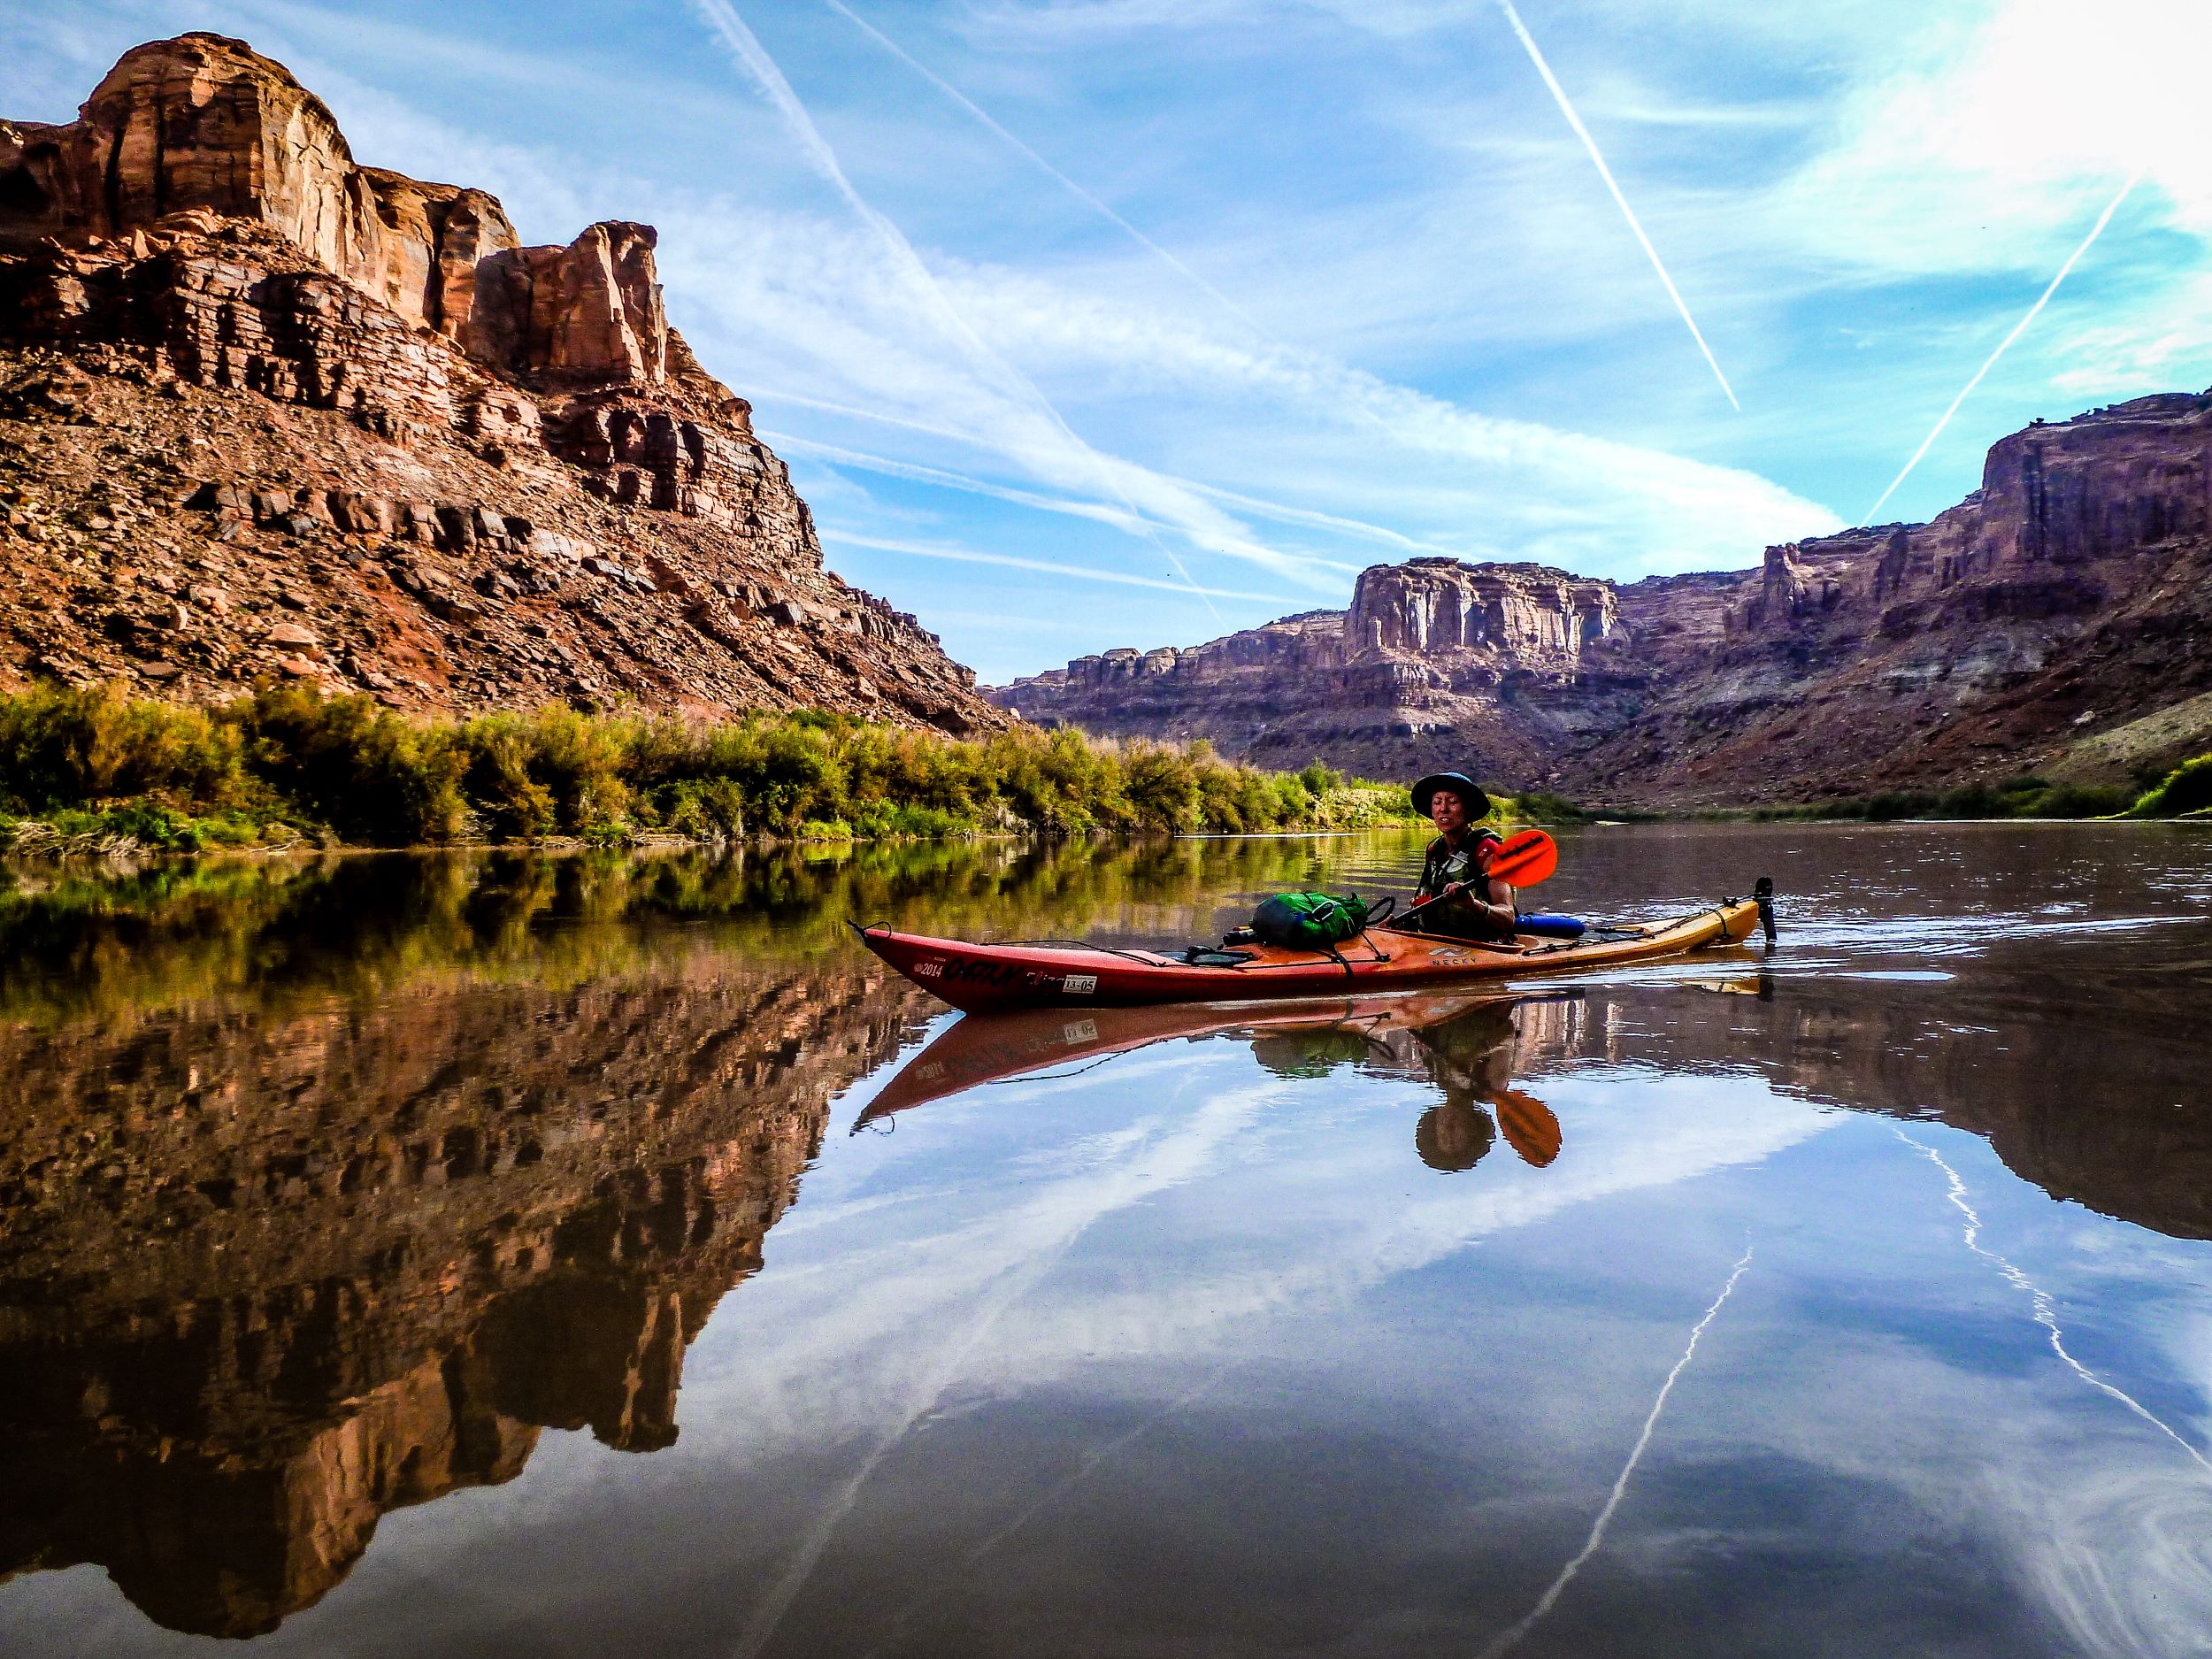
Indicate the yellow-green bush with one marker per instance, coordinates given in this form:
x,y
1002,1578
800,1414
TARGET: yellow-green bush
x,y
286,758
2185,790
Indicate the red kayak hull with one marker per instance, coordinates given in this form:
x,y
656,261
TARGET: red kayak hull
x,y
987,978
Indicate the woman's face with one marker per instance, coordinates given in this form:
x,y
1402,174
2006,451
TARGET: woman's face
x,y
1447,811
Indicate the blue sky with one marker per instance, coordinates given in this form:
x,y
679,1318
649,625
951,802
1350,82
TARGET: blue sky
x,y
1087,323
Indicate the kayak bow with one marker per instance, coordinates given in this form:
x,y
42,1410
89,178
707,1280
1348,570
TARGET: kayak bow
x,y
1066,974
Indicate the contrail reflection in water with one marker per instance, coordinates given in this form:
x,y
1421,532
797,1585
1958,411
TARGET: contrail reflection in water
x,y
2045,1310
1032,1243
1087,1466
1512,1638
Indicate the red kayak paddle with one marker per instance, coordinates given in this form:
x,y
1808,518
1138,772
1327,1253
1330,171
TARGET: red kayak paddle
x,y
1521,860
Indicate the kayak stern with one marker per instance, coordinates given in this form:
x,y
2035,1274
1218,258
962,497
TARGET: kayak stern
x,y
983,979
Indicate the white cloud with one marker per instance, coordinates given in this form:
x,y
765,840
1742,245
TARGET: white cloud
x,y
1998,139
1077,572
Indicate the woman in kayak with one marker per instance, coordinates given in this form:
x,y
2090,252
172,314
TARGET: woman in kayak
x,y
1477,907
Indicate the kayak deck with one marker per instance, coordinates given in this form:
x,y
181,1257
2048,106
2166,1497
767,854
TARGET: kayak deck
x,y
983,978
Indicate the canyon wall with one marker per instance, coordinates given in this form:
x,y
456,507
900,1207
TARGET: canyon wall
x,y
2052,619
266,411
2047,615
1434,657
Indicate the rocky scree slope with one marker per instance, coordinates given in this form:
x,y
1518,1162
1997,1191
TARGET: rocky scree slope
x,y
2052,621
264,410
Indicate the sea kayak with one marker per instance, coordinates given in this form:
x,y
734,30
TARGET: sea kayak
x,y
1068,973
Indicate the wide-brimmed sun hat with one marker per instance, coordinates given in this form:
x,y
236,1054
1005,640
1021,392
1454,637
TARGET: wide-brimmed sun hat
x,y
1460,784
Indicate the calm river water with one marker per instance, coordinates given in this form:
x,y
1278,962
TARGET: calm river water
x,y
544,1256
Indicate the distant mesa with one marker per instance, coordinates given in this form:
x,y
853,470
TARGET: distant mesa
x,y
2053,620
496,470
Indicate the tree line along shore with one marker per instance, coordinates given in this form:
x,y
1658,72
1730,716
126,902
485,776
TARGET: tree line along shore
x,y
95,770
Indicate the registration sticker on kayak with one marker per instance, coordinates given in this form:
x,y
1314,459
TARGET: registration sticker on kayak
x,y
1081,985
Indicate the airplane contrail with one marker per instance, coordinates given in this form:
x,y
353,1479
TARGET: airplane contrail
x,y
2018,328
721,17
1512,1638
1044,166
1007,561
1559,96
1298,566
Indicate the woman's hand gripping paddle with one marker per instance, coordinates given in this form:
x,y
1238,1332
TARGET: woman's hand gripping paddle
x,y
1521,861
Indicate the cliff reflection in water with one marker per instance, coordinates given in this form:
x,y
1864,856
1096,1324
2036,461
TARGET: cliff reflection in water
x,y
276,1262
2112,1140
328,1184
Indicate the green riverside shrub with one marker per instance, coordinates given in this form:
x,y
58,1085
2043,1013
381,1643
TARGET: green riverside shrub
x,y
2187,789
285,760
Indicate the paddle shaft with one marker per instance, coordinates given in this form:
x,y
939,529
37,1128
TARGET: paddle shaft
x,y
1452,892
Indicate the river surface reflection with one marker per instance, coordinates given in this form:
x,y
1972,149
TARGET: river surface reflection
x,y
518,1255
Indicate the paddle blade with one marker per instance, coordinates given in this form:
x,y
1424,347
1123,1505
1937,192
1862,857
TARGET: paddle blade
x,y
1531,1128
1526,859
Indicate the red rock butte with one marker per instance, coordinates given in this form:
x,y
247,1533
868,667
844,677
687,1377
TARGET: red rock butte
x,y
269,411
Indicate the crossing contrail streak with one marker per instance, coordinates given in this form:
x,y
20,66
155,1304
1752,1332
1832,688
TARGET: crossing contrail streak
x,y
2018,328
2044,1309
992,125
1087,1466
1288,564
1512,1638
1559,96
722,18
1007,561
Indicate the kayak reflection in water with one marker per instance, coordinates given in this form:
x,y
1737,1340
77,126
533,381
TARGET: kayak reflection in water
x,y
1467,1046
1469,1050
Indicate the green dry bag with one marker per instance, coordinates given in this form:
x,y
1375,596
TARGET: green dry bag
x,y
1308,921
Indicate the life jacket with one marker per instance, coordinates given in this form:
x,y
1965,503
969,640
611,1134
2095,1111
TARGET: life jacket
x,y
1440,869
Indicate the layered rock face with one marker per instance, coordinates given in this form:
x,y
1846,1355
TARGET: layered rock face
x,y
263,1280
2041,623
2059,604
241,375
1432,657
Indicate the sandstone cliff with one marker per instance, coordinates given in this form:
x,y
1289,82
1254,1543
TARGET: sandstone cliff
x,y
1435,658
265,410
2063,602
2049,620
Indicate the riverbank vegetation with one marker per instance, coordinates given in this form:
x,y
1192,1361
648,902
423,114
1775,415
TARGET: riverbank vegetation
x,y
96,770
2185,792
122,938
